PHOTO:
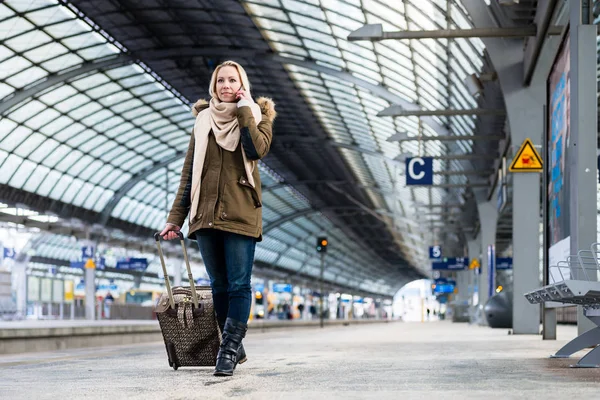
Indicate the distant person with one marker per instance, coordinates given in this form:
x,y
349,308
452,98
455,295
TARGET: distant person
x,y
300,309
220,190
428,311
108,300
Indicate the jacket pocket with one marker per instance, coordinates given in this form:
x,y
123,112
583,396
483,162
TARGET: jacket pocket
x,y
238,204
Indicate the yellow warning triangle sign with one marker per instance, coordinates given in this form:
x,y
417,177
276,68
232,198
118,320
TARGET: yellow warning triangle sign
x,y
90,264
527,159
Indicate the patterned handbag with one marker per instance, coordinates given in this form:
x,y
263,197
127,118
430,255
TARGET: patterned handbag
x,y
187,320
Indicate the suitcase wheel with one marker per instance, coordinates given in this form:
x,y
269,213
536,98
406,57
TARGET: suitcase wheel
x,y
170,363
175,366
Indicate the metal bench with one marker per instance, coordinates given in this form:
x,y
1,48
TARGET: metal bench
x,y
583,292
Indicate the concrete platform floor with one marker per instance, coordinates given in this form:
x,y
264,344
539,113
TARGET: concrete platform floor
x,y
437,360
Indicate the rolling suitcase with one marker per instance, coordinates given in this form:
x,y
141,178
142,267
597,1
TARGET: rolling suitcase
x,y
187,320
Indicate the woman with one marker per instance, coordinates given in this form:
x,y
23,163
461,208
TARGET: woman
x,y
220,189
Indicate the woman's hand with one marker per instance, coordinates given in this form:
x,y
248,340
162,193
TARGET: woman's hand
x,y
170,231
243,95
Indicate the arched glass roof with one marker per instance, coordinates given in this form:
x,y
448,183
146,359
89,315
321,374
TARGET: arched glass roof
x,y
86,124
429,73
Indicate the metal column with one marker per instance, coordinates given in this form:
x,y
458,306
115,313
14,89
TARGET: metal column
x,y
583,130
488,218
90,284
321,289
474,248
524,106
526,244
90,293
19,282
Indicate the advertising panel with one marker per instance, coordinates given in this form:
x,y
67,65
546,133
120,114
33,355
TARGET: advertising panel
x,y
557,222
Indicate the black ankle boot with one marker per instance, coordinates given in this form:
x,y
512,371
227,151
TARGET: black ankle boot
x,y
233,333
242,358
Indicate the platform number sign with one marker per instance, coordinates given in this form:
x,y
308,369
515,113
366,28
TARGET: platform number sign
x,y
419,171
435,252
9,252
87,252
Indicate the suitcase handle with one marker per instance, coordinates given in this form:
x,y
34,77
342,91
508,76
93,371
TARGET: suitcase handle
x,y
157,238
196,312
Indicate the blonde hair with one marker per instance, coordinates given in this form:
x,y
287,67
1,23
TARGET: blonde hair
x,y
212,90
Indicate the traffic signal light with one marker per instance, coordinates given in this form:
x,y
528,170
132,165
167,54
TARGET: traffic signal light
x,y
322,244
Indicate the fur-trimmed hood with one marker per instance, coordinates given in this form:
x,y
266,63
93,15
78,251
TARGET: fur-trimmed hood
x,y
267,107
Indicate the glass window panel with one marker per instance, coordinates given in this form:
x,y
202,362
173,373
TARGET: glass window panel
x,y
146,119
87,39
22,173
48,16
72,190
142,90
62,62
9,167
115,98
30,144
94,118
42,118
80,164
108,124
90,81
26,77
28,40
104,199
153,126
129,163
92,143
13,27
59,94
82,112
15,138
72,102
6,127
120,181
268,12
128,105
92,196
99,51
121,205
5,12
44,150
100,173
12,66
56,156
84,192
36,178
68,160
56,126
5,90
76,140
68,131
5,52
104,90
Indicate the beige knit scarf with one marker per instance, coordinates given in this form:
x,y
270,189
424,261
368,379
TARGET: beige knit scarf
x,y
221,118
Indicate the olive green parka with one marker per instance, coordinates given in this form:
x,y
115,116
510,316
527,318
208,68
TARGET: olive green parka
x,y
228,202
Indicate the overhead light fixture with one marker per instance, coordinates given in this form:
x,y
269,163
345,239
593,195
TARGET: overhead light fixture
x,y
403,156
397,136
474,85
508,2
367,32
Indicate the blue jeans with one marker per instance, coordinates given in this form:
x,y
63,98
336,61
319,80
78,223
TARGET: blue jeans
x,y
228,258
